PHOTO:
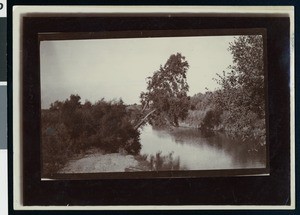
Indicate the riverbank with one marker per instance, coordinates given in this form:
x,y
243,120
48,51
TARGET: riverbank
x,y
97,161
170,150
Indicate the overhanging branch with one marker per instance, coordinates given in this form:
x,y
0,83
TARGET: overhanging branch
x,y
143,120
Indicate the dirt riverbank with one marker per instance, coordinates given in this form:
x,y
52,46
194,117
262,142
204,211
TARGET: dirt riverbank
x,y
100,162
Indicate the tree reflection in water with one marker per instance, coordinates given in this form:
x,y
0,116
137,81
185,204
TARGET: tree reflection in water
x,y
193,150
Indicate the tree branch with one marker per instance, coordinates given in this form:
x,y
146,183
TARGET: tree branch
x,y
143,120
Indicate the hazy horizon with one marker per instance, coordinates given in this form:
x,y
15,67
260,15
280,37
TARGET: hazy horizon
x,y
118,68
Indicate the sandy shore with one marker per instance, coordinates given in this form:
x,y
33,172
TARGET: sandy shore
x,y
99,162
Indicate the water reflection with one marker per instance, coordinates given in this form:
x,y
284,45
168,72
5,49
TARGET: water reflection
x,y
197,151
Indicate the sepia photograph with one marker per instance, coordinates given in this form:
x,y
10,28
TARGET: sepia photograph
x,y
152,104
160,108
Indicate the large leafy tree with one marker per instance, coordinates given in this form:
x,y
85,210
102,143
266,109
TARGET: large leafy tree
x,y
242,96
244,85
166,100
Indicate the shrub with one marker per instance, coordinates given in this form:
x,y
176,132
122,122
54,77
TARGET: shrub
x,y
164,162
69,127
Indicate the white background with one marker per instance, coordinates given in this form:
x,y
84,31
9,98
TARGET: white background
x,y
3,10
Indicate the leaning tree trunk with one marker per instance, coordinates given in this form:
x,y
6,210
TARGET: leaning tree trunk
x,y
144,119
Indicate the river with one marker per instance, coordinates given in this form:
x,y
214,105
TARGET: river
x,y
196,151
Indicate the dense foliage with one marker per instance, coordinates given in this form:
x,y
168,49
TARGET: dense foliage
x,y
239,105
203,112
242,96
70,127
166,96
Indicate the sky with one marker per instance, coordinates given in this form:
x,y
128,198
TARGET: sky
x,y
118,68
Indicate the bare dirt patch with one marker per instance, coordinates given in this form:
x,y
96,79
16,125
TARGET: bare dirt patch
x,y
99,162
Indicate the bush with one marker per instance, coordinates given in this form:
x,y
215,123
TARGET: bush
x,y
69,127
211,119
113,128
56,147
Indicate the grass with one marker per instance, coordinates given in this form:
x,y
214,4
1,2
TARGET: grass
x,y
158,162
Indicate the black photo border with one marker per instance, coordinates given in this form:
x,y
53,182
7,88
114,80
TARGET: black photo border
x,y
242,190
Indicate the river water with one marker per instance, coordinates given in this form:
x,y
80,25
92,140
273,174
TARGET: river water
x,y
197,151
